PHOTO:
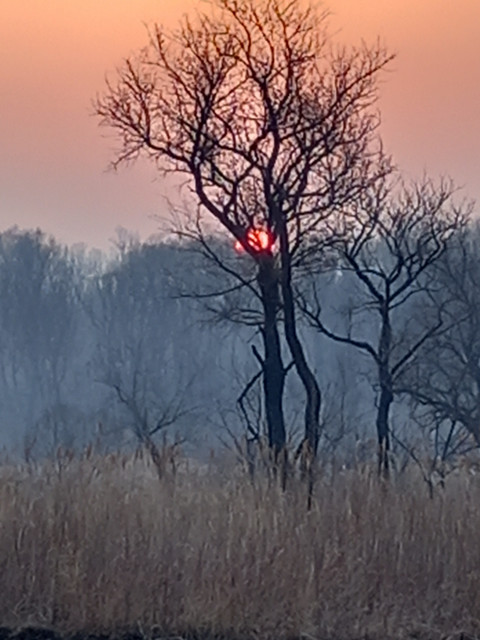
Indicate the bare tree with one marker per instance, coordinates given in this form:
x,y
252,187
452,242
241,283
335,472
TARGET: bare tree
x,y
444,382
391,252
145,426
38,325
275,131
138,346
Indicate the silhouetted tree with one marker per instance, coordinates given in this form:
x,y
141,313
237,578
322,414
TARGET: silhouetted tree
x,y
391,252
444,382
274,130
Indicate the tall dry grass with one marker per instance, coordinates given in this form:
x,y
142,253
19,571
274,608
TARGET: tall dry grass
x,y
99,544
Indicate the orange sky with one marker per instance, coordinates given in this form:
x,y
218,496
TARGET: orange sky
x,y
54,55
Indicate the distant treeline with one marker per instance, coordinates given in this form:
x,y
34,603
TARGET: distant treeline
x,y
113,348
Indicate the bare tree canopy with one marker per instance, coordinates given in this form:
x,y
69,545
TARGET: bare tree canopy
x,y
255,104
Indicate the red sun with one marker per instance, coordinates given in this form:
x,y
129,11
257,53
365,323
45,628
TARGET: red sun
x,y
258,240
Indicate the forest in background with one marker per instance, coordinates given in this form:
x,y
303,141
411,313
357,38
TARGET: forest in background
x,y
78,326
113,350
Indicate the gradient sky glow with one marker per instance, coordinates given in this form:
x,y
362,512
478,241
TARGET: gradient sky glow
x,y
54,55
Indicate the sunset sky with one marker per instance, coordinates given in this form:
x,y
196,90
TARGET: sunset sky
x,y
54,55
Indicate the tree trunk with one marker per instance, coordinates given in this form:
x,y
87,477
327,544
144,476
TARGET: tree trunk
x,y
383,428
156,457
313,397
273,370
312,390
386,392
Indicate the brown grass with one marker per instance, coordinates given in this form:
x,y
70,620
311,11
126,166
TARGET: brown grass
x,y
99,544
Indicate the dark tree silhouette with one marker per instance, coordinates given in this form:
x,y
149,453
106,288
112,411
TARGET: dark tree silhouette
x,y
391,252
444,382
275,131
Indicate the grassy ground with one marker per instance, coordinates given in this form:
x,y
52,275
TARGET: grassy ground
x,y
98,544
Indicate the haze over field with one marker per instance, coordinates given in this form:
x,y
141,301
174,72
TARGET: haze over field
x,y
54,55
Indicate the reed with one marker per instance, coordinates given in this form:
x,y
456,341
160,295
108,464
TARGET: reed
x,y
98,544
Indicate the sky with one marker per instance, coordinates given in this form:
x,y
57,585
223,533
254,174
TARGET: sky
x,y
55,55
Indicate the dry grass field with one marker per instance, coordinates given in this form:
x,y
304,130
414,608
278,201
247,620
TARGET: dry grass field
x,y
97,544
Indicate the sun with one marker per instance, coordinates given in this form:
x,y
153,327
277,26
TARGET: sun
x,y
257,239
